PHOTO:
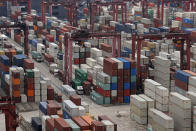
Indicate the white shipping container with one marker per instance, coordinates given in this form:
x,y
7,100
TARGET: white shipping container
x,y
71,108
68,90
161,118
138,101
109,126
180,100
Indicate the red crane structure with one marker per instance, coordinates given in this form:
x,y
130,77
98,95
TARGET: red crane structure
x,y
11,117
68,5
96,9
16,3
79,37
23,27
140,38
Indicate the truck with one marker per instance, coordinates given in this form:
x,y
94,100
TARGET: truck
x,y
37,56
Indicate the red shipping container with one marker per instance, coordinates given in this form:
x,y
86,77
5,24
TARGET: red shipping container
x,y
28,64
50,93
29,80
75,99
181,84
76,61
105,93
82,61
126,92
88,54
113,100
50,124
30,98
50,38
61,125
98,126
120,72
104,117
133,91
110,63
81,123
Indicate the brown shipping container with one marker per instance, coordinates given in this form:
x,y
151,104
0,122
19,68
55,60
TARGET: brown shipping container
x,y
110,63
54,103
51,109
50,124
75,99
106,47
61,125
97,126
28,64
103,117
81,123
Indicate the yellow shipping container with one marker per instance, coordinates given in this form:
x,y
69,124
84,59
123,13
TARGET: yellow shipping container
x,y
2,52
150,44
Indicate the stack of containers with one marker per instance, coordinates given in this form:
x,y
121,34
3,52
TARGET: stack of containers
x,y
162,71
43,89
106,50
180,111
150,88
29,84
117,93
162,98
103,87
53,50
69,109
80,77
15,80
192,96
138,109
160,121
60,61
111,68
181,81
37,76
21,70
4,66
132,76
126,80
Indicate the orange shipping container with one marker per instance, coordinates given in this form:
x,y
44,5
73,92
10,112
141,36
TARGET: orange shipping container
x,y
190,72
15,81
30,92
35,28
87,119
16,93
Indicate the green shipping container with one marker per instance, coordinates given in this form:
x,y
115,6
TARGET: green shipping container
x,y
133,78
106,100
73,125
80,75
82,55
114,79
29,73
76,83
97,98
103,86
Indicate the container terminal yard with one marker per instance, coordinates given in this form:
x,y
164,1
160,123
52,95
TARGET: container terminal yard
x,y
98,65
